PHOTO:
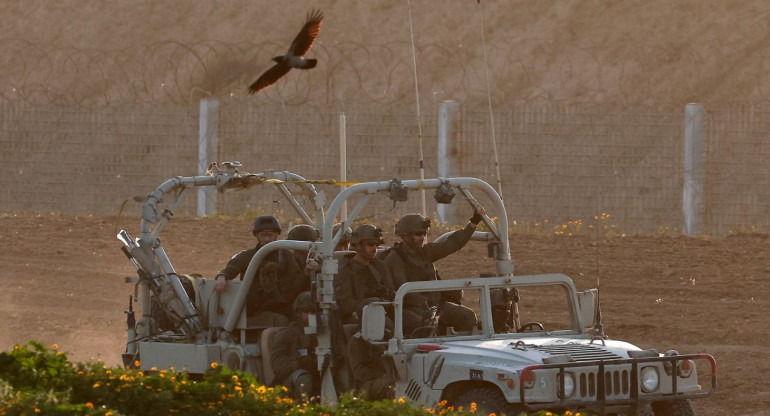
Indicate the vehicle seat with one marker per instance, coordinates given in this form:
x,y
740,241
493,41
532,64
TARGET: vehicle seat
x,y
264,343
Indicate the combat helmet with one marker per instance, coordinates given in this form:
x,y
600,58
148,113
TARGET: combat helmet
x,y
303,232
345,237
412,223
303,302
367,232
266,223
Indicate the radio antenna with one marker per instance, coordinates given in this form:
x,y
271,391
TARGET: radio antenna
x,y
598,326
489,101
417,102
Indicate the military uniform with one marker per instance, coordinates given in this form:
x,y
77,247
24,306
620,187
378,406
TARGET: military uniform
x,y
410,265
502,310
356,284
294,361
275,298
372,379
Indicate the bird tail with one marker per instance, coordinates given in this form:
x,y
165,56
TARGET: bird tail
x,y
310,63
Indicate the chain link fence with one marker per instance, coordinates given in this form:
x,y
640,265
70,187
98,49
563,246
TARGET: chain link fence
x,y
558,163
83,130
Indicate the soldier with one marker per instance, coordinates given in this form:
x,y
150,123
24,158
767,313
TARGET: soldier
x,y
412,260
293,352
371,377
264,298
362,277
502,304
301,269
344,242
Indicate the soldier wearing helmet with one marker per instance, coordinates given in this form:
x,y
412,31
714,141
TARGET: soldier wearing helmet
x,y
362,277
293,356
266,229
300,261
265,304
502,306
343,244
270,297
412,259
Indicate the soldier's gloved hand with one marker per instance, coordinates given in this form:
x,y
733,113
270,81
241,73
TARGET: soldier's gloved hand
x,y
476,218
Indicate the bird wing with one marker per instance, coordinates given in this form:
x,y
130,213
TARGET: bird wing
x,y
305,38
269,77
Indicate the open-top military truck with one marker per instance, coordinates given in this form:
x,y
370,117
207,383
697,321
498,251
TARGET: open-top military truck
x,y
552,353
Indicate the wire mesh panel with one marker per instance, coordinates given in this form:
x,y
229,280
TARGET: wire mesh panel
x,y
560,164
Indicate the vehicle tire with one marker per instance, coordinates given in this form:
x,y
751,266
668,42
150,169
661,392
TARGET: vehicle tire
x,y
673,408
488,400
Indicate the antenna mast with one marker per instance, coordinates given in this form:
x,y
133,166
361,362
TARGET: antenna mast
x,y
417,101
489,101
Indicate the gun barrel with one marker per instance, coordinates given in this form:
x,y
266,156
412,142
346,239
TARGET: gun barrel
x,y
126,239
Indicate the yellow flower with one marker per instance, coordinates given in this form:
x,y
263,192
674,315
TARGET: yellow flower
x,y
136,363
214,365
235,377
473,407
16,348
56,346
89,405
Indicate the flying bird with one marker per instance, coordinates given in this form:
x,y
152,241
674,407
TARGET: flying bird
x,y
294,57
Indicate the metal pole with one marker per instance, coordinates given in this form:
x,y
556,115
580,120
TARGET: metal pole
x,y
208,143
447,160
343,162
692,198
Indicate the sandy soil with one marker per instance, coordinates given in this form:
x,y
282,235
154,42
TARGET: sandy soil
x,y
655,53
62,279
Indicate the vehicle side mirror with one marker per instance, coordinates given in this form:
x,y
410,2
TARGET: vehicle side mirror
x,y
587,302
373,322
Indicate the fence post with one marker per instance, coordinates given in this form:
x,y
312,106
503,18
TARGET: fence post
x,y
208,143
343,162
447,150
692,204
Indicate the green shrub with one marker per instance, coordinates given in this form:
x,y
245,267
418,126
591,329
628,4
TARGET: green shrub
x,y
35,380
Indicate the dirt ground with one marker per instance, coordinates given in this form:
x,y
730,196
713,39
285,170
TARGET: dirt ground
x,y
63,282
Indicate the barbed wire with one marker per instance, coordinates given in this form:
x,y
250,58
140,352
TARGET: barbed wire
x,y
352,73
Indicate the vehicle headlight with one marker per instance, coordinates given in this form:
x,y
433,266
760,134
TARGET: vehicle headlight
x,y
569,384
650,379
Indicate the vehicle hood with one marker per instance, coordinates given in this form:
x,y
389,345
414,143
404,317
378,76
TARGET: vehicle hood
x,y
515,353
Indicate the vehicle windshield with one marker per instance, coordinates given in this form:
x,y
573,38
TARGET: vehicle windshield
x,y
509,309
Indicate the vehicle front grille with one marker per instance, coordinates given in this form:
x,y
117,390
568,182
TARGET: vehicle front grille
x,y
616,383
